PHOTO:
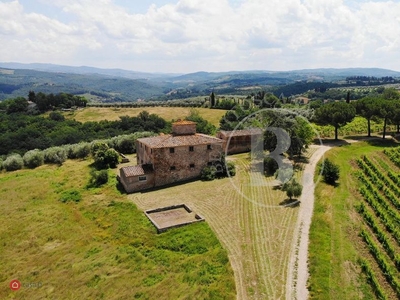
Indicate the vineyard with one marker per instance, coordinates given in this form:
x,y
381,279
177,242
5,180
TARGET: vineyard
x,y
379,180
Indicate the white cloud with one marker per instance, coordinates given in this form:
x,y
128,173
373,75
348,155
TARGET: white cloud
x,y
212,35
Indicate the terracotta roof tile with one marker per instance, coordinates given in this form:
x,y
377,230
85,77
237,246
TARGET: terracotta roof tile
x,y
139,170
168,140
184,122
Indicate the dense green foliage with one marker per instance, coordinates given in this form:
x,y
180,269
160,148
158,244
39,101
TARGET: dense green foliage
x,y
98,178
379,211
104,156
33,158
202,125
13,162
22,132
329,171
336,114
292,188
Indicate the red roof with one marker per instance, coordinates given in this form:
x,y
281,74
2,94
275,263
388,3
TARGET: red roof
x,y
139,170
184,122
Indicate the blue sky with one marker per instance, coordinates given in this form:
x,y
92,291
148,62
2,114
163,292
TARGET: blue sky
x,y
202,35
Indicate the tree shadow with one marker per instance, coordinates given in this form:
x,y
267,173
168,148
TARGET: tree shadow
x,y
333,142
301,159
290,203
121,188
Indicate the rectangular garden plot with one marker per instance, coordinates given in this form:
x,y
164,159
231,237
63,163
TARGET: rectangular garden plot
x,y
172,216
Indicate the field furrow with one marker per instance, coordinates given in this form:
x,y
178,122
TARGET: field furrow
x,y
245,214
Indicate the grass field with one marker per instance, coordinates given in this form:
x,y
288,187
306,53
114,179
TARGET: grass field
x,y
168,113
335,244
248,220
100,248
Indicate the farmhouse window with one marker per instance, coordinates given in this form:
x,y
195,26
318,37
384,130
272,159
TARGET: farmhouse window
x,y
208,147
142,178
172,168
191,148
171,150
209,163
191,166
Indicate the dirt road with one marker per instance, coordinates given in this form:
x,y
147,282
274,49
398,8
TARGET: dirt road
x,y
297,274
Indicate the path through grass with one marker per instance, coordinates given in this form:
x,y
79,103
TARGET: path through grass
x,y
247,219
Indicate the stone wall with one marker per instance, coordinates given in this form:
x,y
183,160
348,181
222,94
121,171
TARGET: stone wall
x,y
186,129
188,164
144,154
132,184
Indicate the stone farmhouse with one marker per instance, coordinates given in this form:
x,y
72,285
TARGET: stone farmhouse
x,y
171,158
239,141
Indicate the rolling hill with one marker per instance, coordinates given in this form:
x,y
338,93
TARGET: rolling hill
x,y
116,85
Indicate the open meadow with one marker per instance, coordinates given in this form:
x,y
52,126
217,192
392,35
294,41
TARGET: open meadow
x,y
101,247
247,218
167,113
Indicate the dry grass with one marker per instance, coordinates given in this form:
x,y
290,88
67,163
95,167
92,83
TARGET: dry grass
x,y
100,248
168,113
247,219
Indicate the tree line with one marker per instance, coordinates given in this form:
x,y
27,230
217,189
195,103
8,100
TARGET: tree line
x,y
22,132
385,107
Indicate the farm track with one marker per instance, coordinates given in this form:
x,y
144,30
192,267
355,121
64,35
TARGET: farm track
x,y
297,275
249,222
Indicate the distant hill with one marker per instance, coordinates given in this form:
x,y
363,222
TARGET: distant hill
x,y
117,85
85,70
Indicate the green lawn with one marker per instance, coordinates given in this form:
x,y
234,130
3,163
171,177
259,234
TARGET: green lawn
x,y
100,248
334,243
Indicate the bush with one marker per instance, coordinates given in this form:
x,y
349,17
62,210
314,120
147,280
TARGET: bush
x,y
330,171
55,155
292,188
270,166
81,150
104,157
230,168
71,196
98,178
13,162
33,158
1,164
208,173
284,174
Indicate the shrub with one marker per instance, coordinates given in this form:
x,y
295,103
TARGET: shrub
x,y
81,150
230,168
33,158
1,164
56,116
208,173
270,166
330,171
98,178
70,196
104,157
13,162
292,188
55,155
284,174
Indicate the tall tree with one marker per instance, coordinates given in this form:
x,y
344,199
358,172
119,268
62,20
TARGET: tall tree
x,y
367,108
336,114
387,111
212,99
